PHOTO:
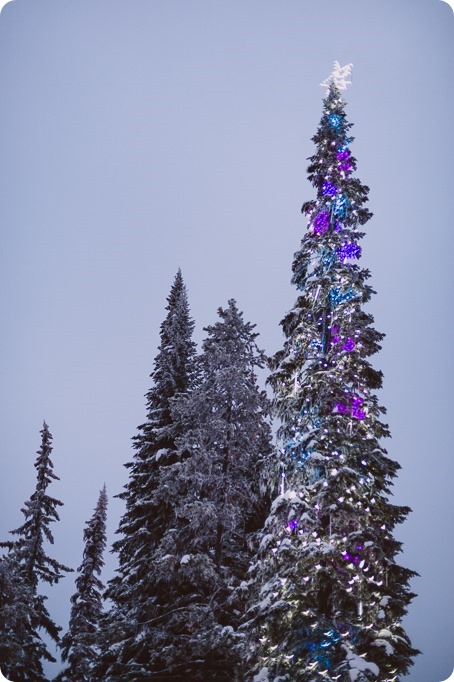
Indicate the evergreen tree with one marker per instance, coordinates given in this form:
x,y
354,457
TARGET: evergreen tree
x,y
332,596
78,644
218,488
149,511
21,647
26,564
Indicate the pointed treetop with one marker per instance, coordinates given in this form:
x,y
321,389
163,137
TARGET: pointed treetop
x,y
339,77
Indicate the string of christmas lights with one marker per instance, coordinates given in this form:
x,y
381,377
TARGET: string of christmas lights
x,y
334,584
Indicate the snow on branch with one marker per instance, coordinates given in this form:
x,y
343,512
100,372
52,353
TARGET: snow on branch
x,y
340,76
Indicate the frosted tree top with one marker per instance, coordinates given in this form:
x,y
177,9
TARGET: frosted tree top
x,y
340,76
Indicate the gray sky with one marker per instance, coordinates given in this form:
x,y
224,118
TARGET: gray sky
x,y
141,136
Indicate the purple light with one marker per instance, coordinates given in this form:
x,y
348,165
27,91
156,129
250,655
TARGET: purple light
x,y
335,338
355,409
355,559
292,524
347,556
337,226
329,189
360,547
349,345
341,408
346,167
321,223
348,250
343,155
358,414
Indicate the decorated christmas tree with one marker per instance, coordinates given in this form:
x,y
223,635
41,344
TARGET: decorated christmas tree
x,y
329,594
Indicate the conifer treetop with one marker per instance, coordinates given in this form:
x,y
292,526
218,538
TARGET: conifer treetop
x,y
79,643
24,612
39,511
149,507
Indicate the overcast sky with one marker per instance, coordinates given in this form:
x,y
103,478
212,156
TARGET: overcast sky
x,y
141,136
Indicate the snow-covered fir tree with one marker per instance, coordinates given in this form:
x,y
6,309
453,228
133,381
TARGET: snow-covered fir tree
x,y
23,568
329,594
79,643
186,609
22,649
219,490
149,508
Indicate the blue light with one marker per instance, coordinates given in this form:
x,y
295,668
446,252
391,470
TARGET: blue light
x,y
319,645
336,296
329,189
340,205
335,120
348,250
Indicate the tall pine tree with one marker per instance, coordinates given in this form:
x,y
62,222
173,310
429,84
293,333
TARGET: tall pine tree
x,y
26,565
79,643
332,596
22,649
149,511
218,488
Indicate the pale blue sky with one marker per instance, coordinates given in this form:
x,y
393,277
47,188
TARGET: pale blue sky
x,y
141,136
